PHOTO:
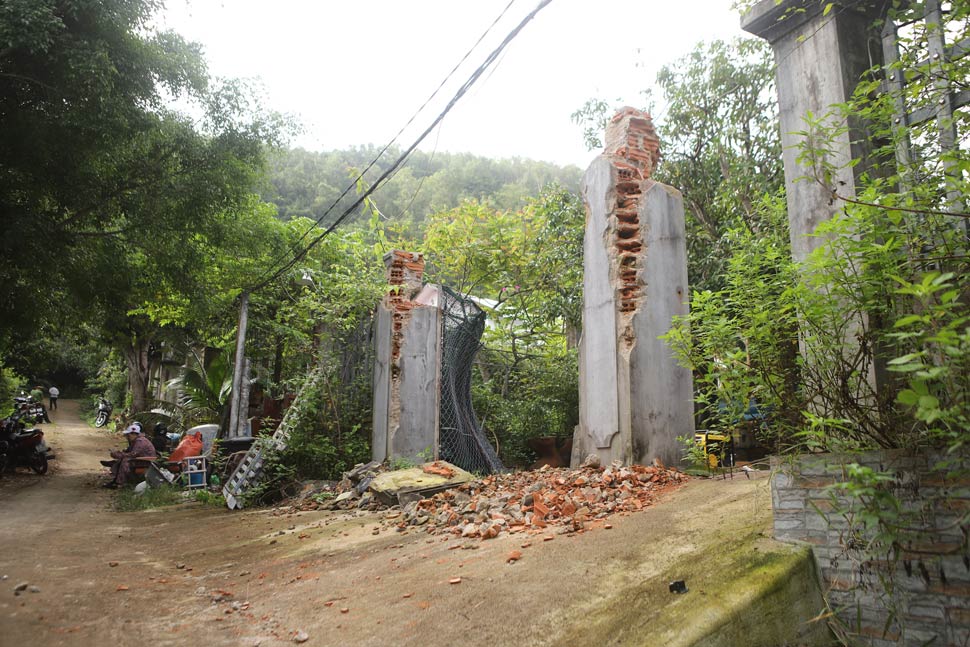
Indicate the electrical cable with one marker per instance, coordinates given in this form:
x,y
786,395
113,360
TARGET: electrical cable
x,y
387,146
384,176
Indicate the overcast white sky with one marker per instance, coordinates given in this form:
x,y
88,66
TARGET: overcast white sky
x,y
355,72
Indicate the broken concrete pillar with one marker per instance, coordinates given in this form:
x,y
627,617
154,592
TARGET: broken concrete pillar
x,y
634,398
821,53
406,365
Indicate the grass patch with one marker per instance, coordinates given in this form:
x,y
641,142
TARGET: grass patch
x,y
153,497
206,497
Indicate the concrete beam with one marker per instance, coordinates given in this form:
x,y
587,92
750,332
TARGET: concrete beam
x,y
820,59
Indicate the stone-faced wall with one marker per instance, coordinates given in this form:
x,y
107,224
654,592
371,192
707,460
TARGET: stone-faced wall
x,y
635,399
928,602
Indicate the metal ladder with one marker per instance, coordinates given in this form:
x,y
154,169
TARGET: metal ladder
x,y
250,469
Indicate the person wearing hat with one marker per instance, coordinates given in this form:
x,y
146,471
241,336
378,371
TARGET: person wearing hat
x,y
138,447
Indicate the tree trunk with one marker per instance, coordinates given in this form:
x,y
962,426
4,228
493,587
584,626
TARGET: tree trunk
x,y
278,361
139,370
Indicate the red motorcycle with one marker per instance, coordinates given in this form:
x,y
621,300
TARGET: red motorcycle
x,y
21,447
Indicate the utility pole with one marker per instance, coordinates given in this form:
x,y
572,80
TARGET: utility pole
x,y
236,411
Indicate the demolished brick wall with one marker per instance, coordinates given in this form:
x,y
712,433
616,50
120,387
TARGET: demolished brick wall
x,y
404,271
633,148
407,345
634,397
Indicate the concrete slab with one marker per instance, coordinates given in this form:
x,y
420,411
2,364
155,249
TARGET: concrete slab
x,y
390,486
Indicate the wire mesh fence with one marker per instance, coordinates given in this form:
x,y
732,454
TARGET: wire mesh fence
x,y
461,439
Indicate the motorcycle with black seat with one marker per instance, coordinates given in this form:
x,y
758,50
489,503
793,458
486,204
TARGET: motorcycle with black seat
x,y
22,447
30,409
104,413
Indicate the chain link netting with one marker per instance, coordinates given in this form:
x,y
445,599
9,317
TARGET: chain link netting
x,y
462,441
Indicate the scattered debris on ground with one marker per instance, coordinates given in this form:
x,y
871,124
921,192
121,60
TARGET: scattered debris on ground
x,y
570,499
441,498
402,487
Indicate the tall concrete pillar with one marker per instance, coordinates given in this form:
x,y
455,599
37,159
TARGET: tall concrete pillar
x,y
406,365
634,398
820,57
821,52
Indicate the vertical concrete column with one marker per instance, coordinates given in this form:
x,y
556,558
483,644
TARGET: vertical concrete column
x,y
634,398
820,57
406,365
822,49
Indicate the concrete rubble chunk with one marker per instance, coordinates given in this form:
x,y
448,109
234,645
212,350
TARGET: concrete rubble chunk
x,y
388,487
361,469
346,496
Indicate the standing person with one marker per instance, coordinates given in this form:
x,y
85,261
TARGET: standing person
x,y
138,447
37,393
54,392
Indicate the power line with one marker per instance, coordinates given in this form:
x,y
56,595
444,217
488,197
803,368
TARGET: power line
x,y
381,153
458,95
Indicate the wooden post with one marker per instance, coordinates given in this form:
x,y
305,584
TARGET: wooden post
x,y
238,368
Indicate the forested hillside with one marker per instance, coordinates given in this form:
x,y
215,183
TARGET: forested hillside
x,y
305,183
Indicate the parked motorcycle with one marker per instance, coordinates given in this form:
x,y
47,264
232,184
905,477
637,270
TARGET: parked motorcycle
x,y
104,413
29,408
22,447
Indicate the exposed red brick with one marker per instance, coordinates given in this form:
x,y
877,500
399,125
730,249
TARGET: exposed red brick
x,y
634,150
404,271
940,481
840,584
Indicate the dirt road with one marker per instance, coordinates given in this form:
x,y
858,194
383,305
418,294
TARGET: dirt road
x,y
193,574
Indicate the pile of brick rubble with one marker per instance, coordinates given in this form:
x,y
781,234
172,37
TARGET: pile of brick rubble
x,y
570,499
534,501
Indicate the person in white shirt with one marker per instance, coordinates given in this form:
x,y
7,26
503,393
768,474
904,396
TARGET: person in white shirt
x,y
54,392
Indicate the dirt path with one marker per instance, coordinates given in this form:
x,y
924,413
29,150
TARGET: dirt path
x,y
203,575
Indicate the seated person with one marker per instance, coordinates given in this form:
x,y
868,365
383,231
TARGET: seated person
x,y
138,447
160,438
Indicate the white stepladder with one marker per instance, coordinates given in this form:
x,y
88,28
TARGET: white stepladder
x,y
250,469
194,469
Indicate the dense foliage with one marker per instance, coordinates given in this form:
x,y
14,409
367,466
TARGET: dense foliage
x,y
720,145
880,304
305,183
113,203
525,266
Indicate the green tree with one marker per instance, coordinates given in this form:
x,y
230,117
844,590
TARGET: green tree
x,y
881,302
720,145
110,199
526,269
304,183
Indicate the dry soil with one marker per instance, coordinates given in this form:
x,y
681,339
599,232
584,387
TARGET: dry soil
x,y
201,575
